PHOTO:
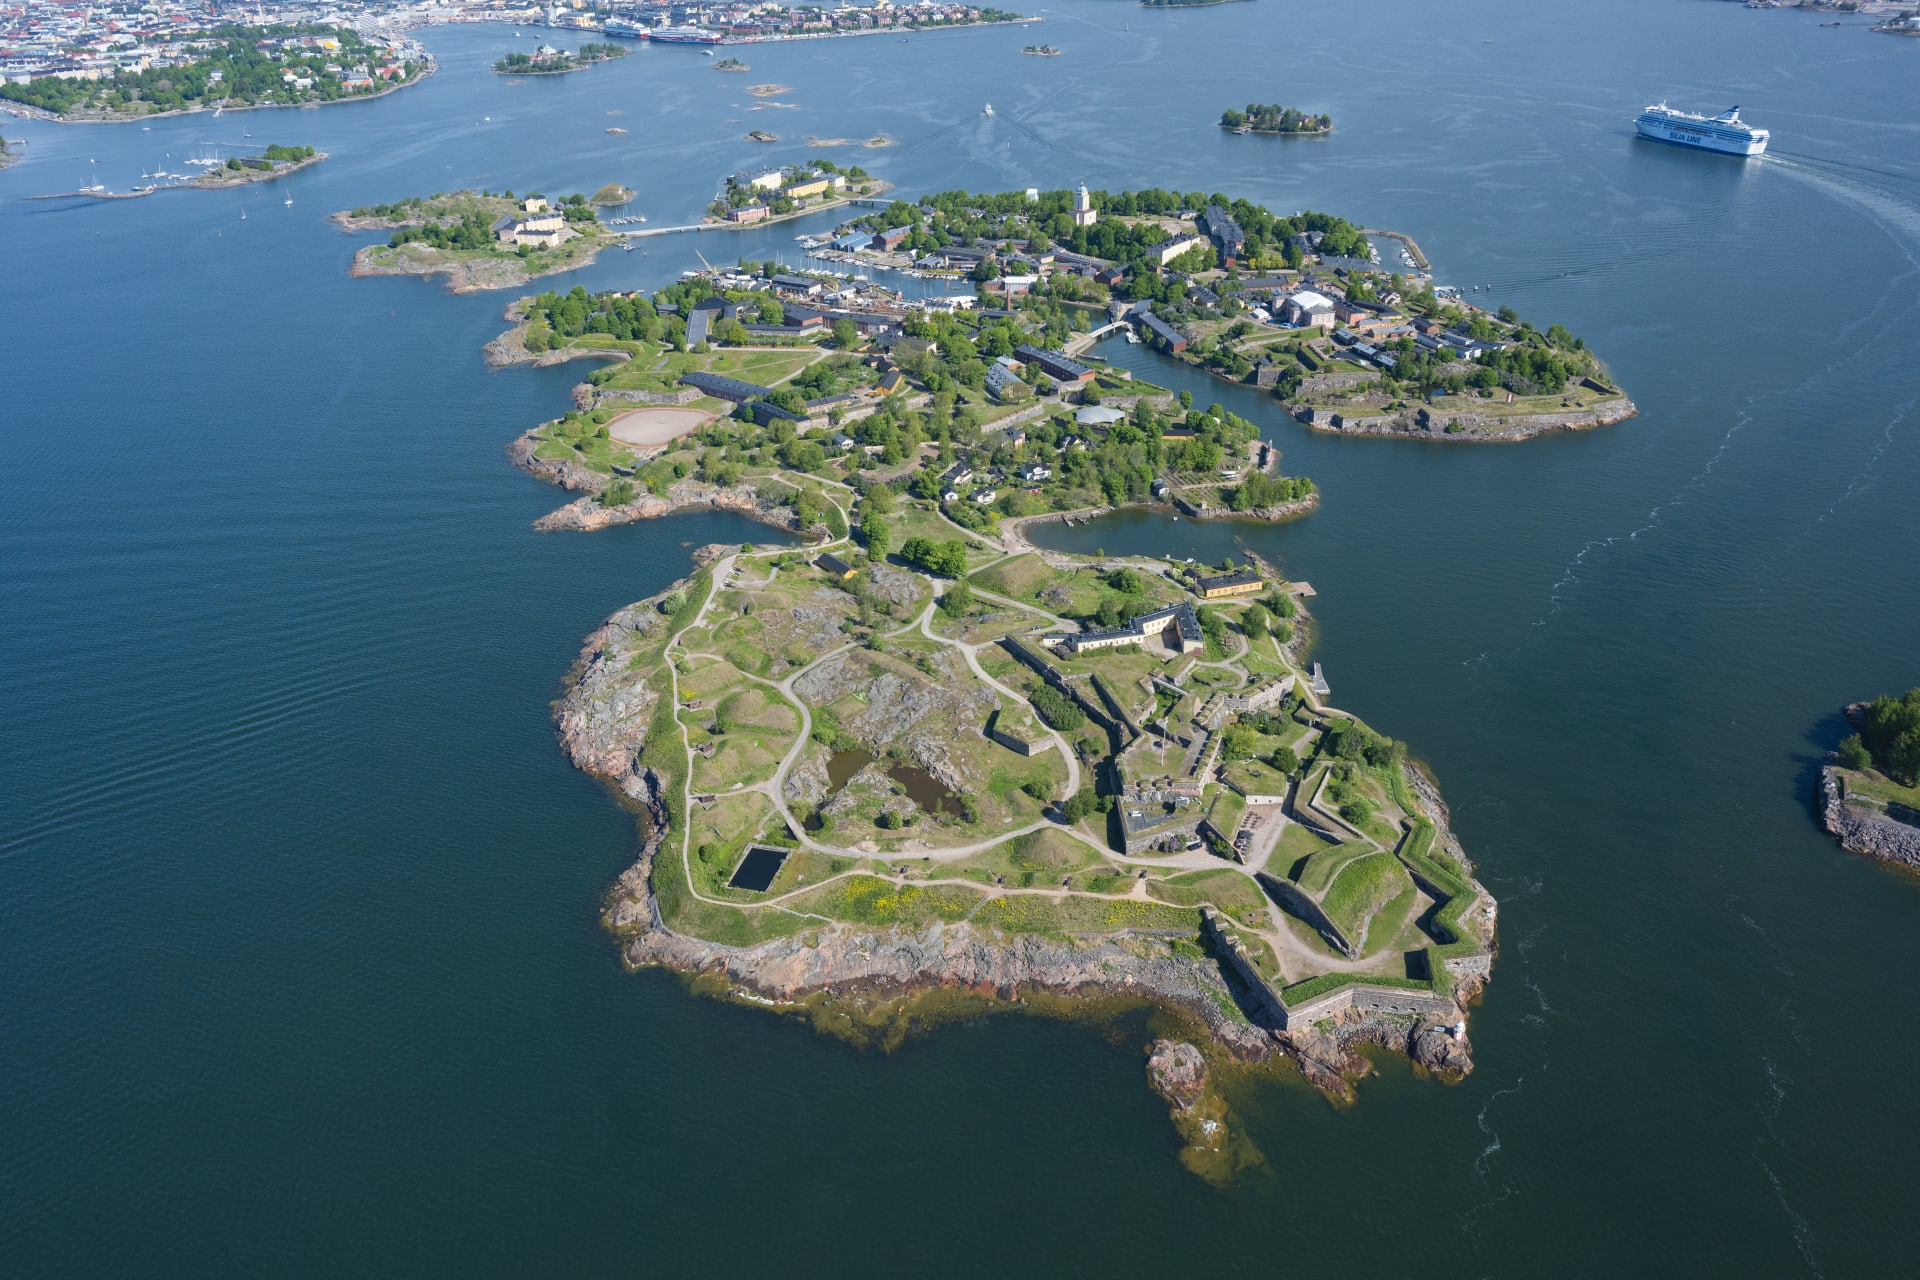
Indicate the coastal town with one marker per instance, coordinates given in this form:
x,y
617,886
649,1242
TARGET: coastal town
x,y
58,63
49,42
1299,307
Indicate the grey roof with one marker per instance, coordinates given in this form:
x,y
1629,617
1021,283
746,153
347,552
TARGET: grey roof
x,y
724,387
698,321
1241,579
1181,614
1160,327
1055,362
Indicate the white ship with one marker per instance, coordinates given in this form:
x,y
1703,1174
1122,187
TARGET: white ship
x,y
1726,132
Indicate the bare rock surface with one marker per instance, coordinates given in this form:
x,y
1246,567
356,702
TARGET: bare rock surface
x,y
1860,829
1177,1071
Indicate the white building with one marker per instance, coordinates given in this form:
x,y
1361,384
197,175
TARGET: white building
x,y
1084,214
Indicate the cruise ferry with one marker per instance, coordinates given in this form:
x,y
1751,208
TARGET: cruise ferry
x,y
626,27
684,35
1726,132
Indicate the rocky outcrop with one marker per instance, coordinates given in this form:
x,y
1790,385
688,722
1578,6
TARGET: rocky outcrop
x,y
1279,511
1474,428
565,472
1214,1149
905,712
587,514
1177,1071
1862,829
1328,1052
467,275
510,348
603,719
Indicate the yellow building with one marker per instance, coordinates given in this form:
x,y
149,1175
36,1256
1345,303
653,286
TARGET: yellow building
x,y
1231,584
801,190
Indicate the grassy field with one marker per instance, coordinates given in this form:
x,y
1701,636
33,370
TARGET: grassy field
x,y
1362,890
1296,842
1231,891
654,367
871,900
1326,861
1077,913
1877,786
1068,593
755,725
1037,859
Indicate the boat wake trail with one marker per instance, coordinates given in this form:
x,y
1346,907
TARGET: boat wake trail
x,y
1873,459
1897,216
1570,575
1483,1163
1802,1233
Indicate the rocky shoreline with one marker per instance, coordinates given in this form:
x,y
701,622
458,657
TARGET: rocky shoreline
x,y
1861,829
1864,831
583,515
1279,511
464,275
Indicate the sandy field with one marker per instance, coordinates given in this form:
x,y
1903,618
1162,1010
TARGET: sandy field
x,y
650,428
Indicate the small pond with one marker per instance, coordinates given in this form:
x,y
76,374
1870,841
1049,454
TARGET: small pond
x,y
921,787
757,870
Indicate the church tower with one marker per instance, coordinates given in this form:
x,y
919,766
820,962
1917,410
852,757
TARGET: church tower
x,y
1083,211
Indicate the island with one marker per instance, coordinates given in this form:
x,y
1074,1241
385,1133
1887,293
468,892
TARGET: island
x,y
731,64
216,175
881,787
273,162
776,192
761,135
1041,51
1870,785
478,239
231,68
1272,118
7,154
548,61
1298,305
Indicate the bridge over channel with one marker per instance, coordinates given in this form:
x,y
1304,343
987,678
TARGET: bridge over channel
x,y
1085,341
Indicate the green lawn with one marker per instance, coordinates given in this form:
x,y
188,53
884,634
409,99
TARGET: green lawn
x,y
1035,860
1877,786
1362,889
1076,913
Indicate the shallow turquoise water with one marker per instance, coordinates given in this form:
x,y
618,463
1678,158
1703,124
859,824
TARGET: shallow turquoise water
x,y
298,900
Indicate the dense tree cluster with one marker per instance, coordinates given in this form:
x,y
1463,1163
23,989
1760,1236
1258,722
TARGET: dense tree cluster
x,y
1262,490
1889,738
948,559
1058,710
968,218
1273,118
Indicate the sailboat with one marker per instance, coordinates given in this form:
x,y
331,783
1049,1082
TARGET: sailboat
x,y
243,215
